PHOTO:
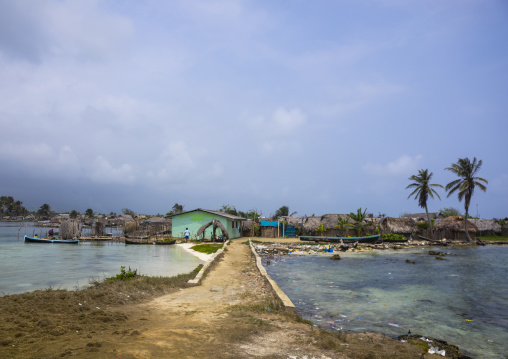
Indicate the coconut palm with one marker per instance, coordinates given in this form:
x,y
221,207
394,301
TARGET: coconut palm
x,y
44,211
358,217
423,189
466,171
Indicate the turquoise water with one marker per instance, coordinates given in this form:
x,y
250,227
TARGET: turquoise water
x,y
29,266
462,299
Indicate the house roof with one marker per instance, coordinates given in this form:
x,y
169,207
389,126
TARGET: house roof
x,y
222,214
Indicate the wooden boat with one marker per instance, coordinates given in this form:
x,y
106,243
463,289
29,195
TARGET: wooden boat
x,y
127,241
48,240
365,239
391,240
173,241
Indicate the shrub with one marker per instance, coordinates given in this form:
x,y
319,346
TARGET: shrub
x,y
123,275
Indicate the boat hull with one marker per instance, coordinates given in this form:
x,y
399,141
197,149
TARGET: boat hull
x,y
127,241
47,240
366,239
167,243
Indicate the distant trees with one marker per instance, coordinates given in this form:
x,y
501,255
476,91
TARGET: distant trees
x,y
129,212
74,214
10,207
282,212
422,190
226,208
466,170
45,211
89,213
449,211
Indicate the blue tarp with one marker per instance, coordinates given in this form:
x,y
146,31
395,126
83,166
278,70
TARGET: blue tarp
x,y
269,223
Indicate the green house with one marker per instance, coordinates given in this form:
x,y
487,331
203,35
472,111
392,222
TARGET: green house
x,y
197,218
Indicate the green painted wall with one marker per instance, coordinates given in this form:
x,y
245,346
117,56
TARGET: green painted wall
x,y
194,221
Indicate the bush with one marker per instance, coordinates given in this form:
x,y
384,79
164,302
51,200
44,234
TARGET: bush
x,y
125,275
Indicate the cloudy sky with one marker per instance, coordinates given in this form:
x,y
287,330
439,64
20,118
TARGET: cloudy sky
x,y
323,106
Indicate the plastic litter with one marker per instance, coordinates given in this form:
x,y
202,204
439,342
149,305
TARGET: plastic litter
x,y
393,324
435,350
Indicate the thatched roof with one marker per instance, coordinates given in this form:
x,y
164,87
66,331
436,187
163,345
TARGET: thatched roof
x,y
247,224
398,225
487,225
455,223
419,217
156,219
126,218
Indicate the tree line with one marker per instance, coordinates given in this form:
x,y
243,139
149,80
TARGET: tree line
x,y
466,171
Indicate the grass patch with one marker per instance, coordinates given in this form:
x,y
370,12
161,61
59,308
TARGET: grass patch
x,y
494,238
51,313
207,248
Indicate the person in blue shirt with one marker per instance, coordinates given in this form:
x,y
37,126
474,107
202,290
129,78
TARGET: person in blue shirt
x,y
187,234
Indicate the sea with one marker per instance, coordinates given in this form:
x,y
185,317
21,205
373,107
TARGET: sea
x,y
26,267
462,298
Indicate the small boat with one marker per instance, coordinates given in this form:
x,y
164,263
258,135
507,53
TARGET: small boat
x,y
173,241
127,241
365,239
48,240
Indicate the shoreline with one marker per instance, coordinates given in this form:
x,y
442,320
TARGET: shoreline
x,y
187,247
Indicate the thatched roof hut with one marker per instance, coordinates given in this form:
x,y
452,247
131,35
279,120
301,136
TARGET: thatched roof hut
x,y
456,223
487,227
404,225
453,228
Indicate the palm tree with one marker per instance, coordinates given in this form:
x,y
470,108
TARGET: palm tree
x,y
423,189
358,218
466,171
44,211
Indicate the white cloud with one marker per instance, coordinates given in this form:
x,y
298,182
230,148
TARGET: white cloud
x,y
103,172
281,123
404,165
175,162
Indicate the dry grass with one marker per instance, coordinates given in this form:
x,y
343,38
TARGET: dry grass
x,y
47,314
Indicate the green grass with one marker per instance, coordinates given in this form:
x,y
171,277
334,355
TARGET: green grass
x,y
207,248
493,238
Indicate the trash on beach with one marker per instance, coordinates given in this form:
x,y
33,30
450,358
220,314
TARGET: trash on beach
x,y
435,350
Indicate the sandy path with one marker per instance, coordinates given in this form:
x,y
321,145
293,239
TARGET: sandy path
x,y
185,323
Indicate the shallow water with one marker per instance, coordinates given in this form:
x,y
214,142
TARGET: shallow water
x,y
462,299
29,266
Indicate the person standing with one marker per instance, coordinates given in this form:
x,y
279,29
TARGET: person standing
x,y
187,234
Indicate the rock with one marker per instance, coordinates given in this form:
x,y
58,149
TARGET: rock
x,y
335,257
216,288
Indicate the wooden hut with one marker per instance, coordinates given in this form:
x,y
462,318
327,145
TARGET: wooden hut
x,y
487,227
404,226
452,228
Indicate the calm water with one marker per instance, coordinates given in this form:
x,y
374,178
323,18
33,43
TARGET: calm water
x,y
462,299
29,266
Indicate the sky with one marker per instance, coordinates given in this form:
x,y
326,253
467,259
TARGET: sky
x,y
323,106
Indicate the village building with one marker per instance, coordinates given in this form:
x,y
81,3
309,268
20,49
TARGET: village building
x,y
194,220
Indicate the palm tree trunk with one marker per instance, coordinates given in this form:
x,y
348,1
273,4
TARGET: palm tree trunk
x,y
429,222
465,227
